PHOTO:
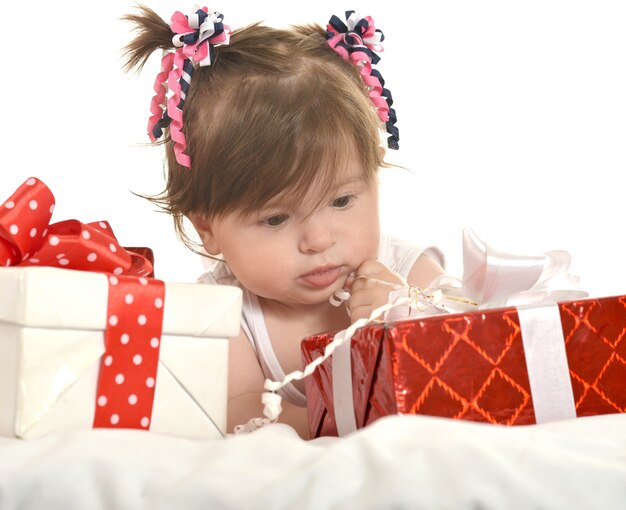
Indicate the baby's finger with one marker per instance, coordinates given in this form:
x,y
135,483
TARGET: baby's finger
x,y
369,298
363,312
371,268
362,282
349,281
375,270
360,312
358,299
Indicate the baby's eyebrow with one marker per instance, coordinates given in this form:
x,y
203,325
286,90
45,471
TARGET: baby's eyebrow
x,y
345,183
294,203
275,208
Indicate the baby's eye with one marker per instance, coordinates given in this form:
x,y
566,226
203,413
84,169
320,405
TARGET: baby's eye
x,y
275,221
343,201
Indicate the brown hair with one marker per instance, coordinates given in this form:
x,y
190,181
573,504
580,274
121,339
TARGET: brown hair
x,y
277,110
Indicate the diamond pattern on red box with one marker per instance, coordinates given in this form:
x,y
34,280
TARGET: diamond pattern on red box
x,y
469,370
472,366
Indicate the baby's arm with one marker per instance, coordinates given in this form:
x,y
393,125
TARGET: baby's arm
x,y
245,387
424,271
377,281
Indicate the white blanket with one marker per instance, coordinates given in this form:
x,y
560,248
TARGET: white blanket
x,y
398,462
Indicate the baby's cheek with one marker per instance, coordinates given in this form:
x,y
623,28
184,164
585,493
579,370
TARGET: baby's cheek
x,y
364,248
260,284
370,234
268,276
371,240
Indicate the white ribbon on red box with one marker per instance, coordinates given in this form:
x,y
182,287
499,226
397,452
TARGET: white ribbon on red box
x,y
546,362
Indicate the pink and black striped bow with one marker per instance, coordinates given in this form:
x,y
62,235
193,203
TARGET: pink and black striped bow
x,y
194,39
358,41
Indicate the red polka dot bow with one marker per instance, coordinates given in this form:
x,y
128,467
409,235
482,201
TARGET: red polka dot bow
x,y
132,338
28,239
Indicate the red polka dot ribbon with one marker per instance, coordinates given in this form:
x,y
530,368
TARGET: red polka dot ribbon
x,y
128,369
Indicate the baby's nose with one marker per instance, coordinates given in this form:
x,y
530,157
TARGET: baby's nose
x,y
316,236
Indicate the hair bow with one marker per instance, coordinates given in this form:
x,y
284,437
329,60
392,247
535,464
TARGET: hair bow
x,y
359,41
197,33
194,39
358,35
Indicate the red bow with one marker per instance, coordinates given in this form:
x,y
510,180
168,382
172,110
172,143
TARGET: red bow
x,y
132,338
28,239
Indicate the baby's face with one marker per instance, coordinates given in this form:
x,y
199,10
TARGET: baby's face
x,y
302,258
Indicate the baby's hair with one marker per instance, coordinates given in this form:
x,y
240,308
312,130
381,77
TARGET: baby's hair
x,y
276,112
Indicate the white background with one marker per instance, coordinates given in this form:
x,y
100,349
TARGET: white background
x,y
512,118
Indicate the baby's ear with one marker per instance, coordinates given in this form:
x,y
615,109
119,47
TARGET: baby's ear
x,y
204,228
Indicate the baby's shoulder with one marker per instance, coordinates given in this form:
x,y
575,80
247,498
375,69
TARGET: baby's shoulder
x,y
401,254
219,274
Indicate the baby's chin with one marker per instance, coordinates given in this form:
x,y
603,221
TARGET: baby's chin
x,y
321,298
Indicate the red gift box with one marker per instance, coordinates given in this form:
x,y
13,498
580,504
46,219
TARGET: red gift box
x,y
471,366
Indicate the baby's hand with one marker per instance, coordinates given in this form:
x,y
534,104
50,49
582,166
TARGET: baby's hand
x,y
370,288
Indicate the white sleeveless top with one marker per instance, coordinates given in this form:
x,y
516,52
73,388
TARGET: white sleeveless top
x,y
396,254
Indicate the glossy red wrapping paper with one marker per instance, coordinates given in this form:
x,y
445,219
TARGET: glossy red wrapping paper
x,y
471,366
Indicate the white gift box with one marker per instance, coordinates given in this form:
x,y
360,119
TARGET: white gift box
x,y
52,324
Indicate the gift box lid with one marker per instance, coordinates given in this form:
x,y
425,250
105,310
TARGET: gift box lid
x,y
46,297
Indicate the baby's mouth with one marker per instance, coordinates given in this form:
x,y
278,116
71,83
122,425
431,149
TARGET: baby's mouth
x,y
322,276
